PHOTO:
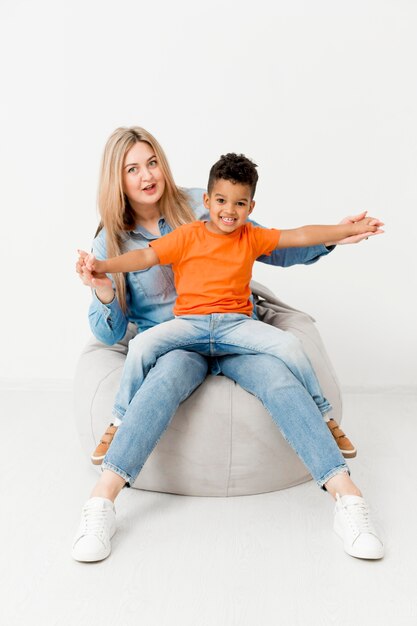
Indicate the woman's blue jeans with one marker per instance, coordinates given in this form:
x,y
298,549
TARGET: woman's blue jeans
x,y
178,373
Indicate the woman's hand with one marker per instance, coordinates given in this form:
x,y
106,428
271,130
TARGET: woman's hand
x,y
352,219
95,280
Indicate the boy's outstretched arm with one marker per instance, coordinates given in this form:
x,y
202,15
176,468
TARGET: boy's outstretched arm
x,y
129,262
314,235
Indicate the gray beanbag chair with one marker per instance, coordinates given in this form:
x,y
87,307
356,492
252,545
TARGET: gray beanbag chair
x,y
221,441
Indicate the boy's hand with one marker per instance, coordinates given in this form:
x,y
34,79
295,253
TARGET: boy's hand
x,y
89,262
361,236
93,278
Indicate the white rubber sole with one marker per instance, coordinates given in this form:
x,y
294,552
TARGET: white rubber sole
x,y
97,460
349,454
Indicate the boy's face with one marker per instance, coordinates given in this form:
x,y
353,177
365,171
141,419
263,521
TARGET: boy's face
x,y
229,204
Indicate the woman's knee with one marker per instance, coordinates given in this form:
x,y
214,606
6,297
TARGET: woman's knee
x,y
183,363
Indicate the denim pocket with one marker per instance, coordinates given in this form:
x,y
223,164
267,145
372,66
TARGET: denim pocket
x,y
154,281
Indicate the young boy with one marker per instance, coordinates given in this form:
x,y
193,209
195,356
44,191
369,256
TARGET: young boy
x,y
212,263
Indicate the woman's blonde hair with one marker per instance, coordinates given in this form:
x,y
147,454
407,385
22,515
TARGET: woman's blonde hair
x,y
116,213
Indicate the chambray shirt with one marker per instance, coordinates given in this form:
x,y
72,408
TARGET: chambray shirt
x,y
150,294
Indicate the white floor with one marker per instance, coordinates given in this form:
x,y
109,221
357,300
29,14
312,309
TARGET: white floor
x,y
251,561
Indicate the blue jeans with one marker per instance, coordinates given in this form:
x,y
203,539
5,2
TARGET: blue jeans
x,y
217,334
178,373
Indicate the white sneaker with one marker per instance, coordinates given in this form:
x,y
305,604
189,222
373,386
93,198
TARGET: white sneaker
x,y
97,527
353,525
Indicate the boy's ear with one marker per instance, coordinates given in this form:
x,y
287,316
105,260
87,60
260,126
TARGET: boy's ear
x,y
206,200
251,207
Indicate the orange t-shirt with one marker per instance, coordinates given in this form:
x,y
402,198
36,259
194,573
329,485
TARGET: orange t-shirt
x,y
212,272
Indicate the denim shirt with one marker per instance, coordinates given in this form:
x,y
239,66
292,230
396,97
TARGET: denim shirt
x,y
150,294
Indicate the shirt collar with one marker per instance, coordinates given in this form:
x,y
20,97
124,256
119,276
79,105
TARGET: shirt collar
x,y
141,230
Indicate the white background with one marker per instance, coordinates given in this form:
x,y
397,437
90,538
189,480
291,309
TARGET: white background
x,y
322,95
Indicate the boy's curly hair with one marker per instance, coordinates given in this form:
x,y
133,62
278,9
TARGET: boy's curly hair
x,y
234,167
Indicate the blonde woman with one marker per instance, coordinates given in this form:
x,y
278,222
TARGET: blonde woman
x,y
139,202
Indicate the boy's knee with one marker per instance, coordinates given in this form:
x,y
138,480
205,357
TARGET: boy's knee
x,y
291,345
184,362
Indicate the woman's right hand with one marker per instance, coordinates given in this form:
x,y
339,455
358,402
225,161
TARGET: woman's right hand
x,y
353,219
99,282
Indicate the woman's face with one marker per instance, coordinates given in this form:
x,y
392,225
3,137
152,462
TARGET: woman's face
x,y
143,180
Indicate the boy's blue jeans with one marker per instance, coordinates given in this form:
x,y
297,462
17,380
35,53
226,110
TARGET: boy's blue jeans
x,y
178,373
214,335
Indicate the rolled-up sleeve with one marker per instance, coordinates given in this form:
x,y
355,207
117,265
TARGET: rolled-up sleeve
x,y
285,257
108,323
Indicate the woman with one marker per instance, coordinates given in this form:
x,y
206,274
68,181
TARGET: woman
x,y
138,202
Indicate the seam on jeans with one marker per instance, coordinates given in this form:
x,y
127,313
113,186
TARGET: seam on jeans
x,y
231,390
254,349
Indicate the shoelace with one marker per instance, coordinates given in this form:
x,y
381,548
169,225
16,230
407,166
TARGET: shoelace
x,y
358,517
93,520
